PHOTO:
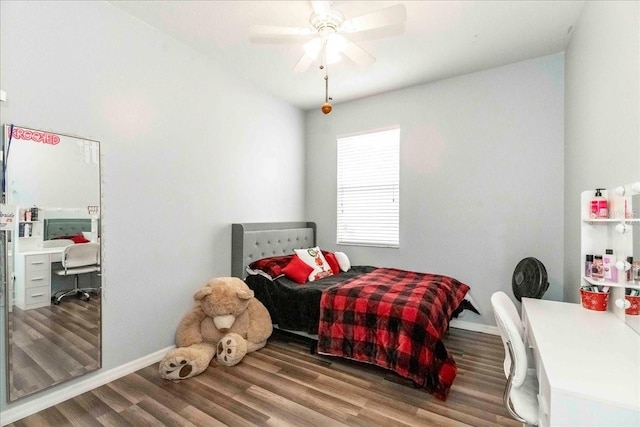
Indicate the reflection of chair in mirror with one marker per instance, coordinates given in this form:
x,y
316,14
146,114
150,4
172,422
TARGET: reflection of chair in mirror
x,y
520,394
78,259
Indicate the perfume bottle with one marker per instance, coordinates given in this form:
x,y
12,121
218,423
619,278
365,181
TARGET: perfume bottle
x,y
597,269
609,264
587,265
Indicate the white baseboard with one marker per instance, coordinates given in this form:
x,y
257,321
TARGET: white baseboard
x,y
31,406
475,327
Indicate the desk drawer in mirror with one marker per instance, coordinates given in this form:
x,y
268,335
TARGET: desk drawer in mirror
x,y
37,278
37,262
38,297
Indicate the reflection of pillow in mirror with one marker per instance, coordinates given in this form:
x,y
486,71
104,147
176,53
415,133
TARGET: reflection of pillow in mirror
x,y
87,234
58,243
79,239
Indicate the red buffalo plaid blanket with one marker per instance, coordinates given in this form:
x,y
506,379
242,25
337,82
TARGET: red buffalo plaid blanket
x,y
394,319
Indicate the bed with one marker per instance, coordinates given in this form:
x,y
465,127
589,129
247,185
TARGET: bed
x,y
61,232
59,228
388,317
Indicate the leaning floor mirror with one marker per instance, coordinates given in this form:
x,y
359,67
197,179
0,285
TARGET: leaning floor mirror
x,y
51,264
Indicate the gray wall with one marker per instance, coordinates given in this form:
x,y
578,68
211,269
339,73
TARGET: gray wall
x,y
481,175
602,107
187,149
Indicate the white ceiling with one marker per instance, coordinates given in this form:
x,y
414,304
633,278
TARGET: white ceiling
x,y
440,39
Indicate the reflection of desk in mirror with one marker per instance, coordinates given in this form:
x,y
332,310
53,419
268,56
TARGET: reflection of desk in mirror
x,y
588,364
44,246
32,286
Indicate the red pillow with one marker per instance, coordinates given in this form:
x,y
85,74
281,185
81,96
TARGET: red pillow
x,y
79,239
297,270
333,262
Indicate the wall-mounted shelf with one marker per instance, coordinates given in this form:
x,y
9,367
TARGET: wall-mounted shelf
x,y
601,220
630,285
608,221
615,233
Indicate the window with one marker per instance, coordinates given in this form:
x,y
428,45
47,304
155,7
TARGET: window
x,y
368,189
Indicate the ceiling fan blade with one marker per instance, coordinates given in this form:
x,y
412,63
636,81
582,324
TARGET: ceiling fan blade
x,y
303,64
358,54
392,15
321,7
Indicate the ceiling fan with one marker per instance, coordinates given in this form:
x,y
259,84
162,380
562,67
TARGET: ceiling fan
x,y
327,37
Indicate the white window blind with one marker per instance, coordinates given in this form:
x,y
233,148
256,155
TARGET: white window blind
x,y
368,189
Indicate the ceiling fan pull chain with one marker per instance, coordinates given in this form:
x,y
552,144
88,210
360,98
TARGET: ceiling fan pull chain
x,y
326,88
326,107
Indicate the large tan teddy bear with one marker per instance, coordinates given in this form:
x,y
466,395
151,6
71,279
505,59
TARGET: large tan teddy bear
x,y
227,322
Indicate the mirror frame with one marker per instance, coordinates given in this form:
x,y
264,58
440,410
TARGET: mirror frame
x,y
631,219
87,151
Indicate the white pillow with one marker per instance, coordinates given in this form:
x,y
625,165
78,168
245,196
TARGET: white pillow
x,y
343,261
87,235
57,243
313,258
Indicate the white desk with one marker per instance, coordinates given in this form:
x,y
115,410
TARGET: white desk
x,y
588,365
32,287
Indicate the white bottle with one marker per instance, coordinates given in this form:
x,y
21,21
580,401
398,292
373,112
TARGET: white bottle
x,y
609,264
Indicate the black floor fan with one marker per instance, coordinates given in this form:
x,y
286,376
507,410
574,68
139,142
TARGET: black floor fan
x,y
529,279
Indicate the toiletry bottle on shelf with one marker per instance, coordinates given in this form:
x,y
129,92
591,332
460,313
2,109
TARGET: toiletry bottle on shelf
x,y
587,265
599,205
609,264
27,215
597,269
630,270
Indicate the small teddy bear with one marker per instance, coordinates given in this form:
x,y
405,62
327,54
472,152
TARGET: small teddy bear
x,y
226,323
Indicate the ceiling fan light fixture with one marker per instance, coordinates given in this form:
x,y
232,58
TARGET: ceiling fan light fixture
x,y
336,43
333,57
312,48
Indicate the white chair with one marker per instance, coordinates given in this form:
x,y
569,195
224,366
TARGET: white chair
x,y
520,394
80,258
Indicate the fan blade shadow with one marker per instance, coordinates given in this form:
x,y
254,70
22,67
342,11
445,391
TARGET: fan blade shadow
x,y
275,34
392,15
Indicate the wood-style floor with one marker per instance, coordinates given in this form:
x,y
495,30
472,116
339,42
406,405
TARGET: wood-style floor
x,y
283,385
53,344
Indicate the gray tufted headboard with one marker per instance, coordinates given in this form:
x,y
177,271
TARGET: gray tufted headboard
x,y
60,227
253,241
